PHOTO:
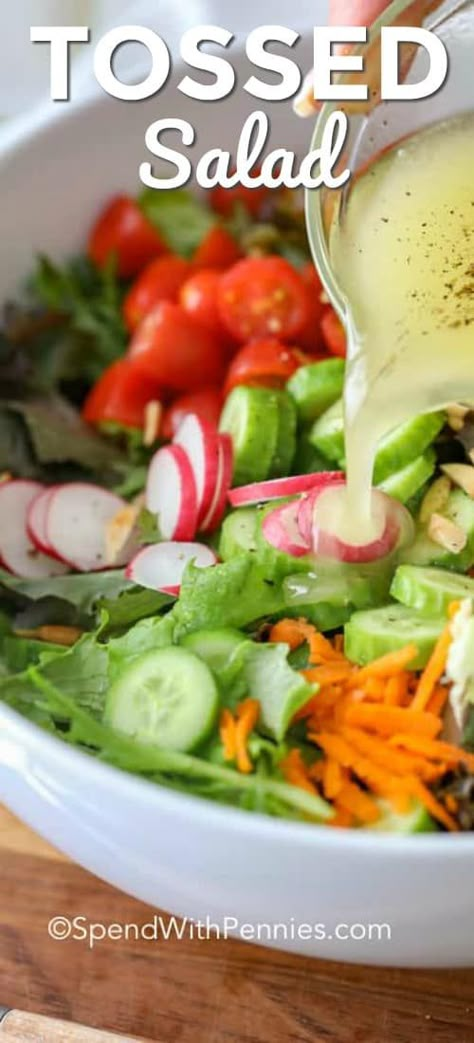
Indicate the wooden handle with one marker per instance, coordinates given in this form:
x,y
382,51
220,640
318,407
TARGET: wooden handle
x,y
32,1028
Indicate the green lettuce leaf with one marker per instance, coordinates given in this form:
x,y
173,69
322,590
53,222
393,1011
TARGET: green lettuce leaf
x,y
233,594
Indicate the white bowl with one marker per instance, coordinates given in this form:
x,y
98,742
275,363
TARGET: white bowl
x,y
176,852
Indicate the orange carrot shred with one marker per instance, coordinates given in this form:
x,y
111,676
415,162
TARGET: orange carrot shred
x,y
332,778
435,808
385,720
438,700
292,632
387,665
294,771
247,714
360,804
434,669
227,735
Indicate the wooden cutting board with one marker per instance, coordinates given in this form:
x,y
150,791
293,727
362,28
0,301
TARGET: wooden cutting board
x,y
197,991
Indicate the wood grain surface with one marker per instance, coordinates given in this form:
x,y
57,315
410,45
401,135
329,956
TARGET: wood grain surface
x,y
197,991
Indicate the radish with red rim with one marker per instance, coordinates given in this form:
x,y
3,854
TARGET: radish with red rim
x,y
200,441
37,517
323,480
77,517
278,488
280,529
17,551
329,521
223,483
171,493
161,566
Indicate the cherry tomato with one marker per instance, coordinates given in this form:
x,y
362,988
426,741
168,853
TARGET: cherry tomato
x,y
310,337
217,250
266,362
223,200
263,297
175,350
161,280
120,395
198,297
206,404
124,232
333,333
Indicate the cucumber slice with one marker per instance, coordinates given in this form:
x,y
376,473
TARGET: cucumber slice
x,y
328,595
166,698
397,449
416,820
239,532
308,460
316,387
460,510
215,647
252,418
327,433
404,484
430,590
285,449
371,634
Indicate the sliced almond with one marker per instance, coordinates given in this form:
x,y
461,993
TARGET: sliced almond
x,y
121,535
462,475
57,635
5,477
435,498
153,415
446,534
456,414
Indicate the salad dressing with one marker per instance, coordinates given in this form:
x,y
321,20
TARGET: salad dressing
x,y
403,254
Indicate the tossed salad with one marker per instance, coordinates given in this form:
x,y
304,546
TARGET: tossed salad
x,y
174,599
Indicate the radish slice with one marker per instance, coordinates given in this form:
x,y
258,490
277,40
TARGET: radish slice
x,y
324,480
278,488
171,493
330,535
161,566
76,523
280,528
200,441
37,518
223,483
17,551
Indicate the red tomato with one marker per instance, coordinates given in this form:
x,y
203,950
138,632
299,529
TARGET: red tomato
x,y
207,404
223,200
161,280
310,337
124,232
217,250
172,348
266,362
333,333
198,297
263,297
120,395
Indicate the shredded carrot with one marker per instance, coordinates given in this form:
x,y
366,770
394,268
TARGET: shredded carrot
x,y
247,714
338,642
387,665
396,689
387,719
438,700
294,771
342,819
332,673
434,749
322,651
333,780
434,669
386,756
451,803
353,799
292,632
227,735
435,808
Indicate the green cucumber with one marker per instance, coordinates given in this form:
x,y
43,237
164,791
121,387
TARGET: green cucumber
x,y
430,590
416,820
307,459
378,631
395,450
239,532
166,698
404,484
251,416
329,594
215,647
314,388
285,449
424,551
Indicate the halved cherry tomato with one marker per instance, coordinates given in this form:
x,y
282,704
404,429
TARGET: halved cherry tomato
x,y
217,250
206,404
264,362
263,297
223,200
333,333
120,395
123,232
172,348
161,280
310,337
198,297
